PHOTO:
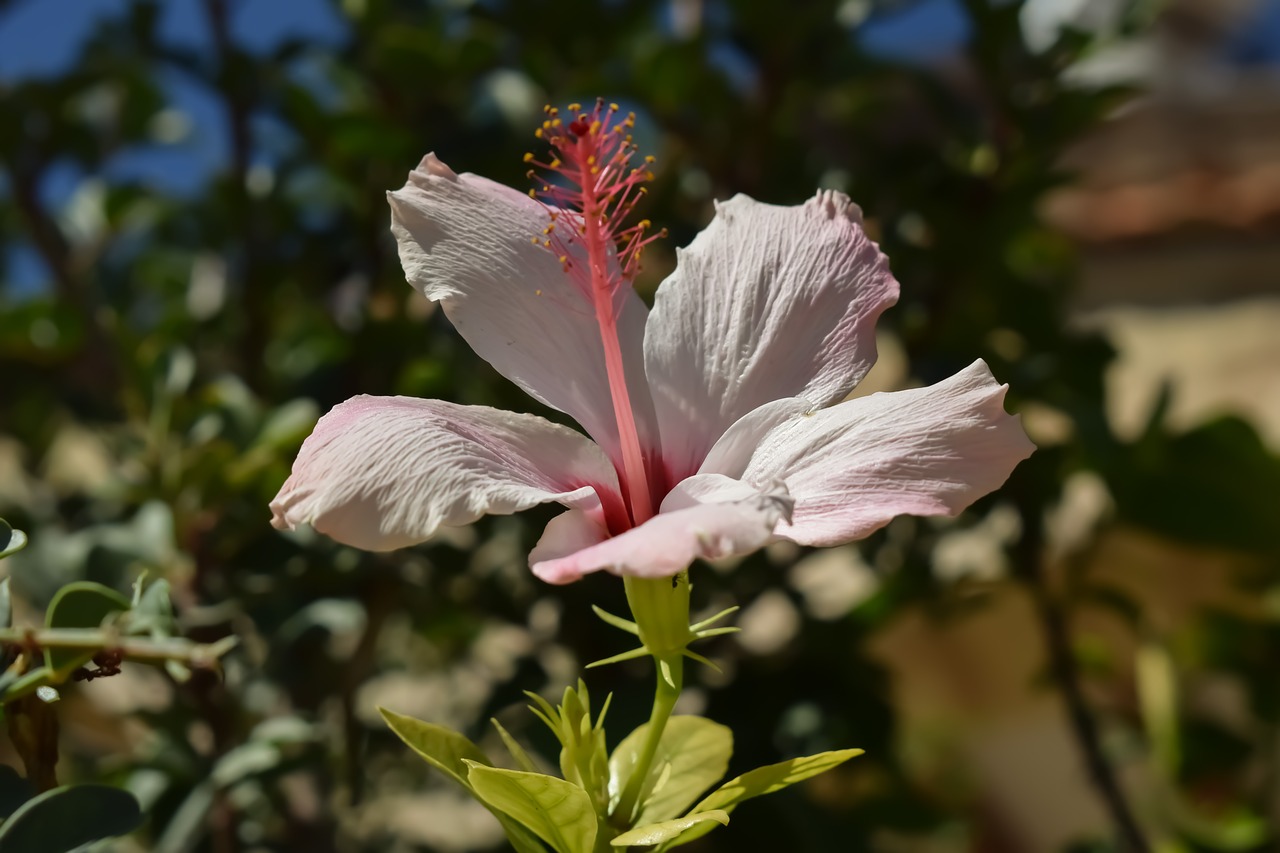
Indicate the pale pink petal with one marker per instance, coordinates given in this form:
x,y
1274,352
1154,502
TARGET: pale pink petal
x,y
767,302
694,524
928,451
731,453
568,533
465,242
384,472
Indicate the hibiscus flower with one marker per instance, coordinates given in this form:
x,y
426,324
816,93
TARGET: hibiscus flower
x,y
717,421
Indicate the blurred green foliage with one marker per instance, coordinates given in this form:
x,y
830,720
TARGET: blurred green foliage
x,y
155,389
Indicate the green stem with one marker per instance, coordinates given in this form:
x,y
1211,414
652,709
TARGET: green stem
x,y
670,678
660,607
146,649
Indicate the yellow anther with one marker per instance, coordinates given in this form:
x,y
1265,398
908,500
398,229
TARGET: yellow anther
x,y
595,170
546,244
618,128
644,191
546,125
573,108
563,259
537,293
548,229
613,108
553,111
533,240
533,194
538,133
595,126
651,159
648,176
644,223
555,164
591,160
530,173
556,123
528,158
627,139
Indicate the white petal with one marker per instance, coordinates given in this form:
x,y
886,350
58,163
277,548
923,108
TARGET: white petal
x,y
705,517
384,472
731,453
767,302
928,451
568,533
465,242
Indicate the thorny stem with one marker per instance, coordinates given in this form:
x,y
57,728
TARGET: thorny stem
x,y
143,649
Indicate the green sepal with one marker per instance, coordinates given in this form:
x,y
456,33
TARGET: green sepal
x,y
757,783
558,812
617,621
631,655
699,627
656,833
692,755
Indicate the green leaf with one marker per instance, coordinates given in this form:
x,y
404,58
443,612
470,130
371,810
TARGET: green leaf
x,y
761,781
513,746
692,756
82,604
11,541
66,818
14,791
557,811
656,833
448,752
444,749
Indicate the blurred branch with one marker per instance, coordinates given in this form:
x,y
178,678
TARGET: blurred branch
x,y
1066,674
45,234
145,649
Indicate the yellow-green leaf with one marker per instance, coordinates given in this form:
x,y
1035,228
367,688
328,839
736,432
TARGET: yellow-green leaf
x,y
761,781
557,811
444,749
692,756
448,752
656,833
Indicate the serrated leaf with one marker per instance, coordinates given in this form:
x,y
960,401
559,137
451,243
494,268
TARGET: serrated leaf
x,y
444,749
82,604
557,811
67,818
692,756
761,781
447,751
656,833
11,541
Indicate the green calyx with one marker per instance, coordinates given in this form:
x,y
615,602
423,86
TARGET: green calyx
x,y
661,610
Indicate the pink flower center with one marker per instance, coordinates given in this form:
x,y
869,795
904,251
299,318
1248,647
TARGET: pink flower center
x,y
591,189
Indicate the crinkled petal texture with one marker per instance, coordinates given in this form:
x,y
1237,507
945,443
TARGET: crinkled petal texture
x,y
705,517
768,302
928,451
465,242
380,473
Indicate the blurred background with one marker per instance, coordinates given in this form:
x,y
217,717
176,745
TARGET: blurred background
x,y
195,263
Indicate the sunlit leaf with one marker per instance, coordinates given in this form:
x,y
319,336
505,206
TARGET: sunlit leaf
x,y
557,811
656,833
761,781
692,756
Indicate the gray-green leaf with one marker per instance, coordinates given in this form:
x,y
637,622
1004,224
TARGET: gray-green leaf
x,y
67,818
11,540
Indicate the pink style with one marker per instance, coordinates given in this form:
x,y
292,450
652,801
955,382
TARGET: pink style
x,y
716,420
